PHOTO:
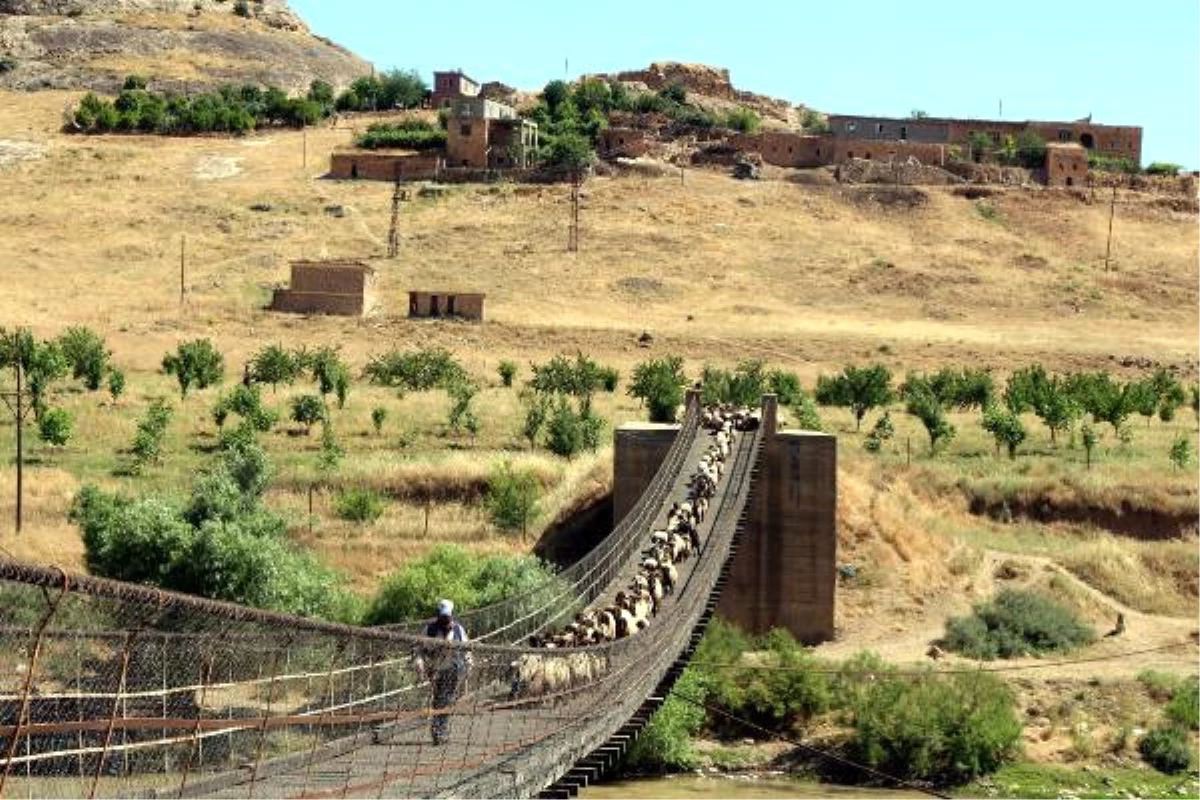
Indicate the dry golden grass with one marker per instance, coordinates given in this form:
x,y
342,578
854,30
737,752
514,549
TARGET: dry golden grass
x,y
807,277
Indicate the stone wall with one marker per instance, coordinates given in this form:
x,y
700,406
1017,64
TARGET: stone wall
x,y
344,305
466,305
1066,165
383,166
330,278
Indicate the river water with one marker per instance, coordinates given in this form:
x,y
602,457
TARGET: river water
x,y
742,787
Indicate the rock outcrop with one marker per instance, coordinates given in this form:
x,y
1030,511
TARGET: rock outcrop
x,y
177,44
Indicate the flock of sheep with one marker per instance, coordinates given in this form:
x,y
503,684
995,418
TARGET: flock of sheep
x,y
657,575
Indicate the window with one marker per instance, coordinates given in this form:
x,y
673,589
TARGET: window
x,y
852,126
1064,135
464,129
867,156
995,137
879,127
903,132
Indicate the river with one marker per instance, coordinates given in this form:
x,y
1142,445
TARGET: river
x,y
742,787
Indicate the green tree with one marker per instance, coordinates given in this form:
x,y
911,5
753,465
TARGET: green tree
x,y
859,388
883,431
308,410
359,505
378,416
1005,427
512,498
55,427
86,354
922,403
508,371
196,363
744,120
151,432
571,153
275,364
1090,439
980,145
461,415
537,411
116,383
659,384
320,91
1181,452
331,454
555,93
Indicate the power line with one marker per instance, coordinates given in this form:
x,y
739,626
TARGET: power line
x,y
901,782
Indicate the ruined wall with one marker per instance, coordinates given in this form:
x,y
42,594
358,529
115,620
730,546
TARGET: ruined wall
x,y
329,278
784,149
466,305
848,148
293,302
383,166
623,143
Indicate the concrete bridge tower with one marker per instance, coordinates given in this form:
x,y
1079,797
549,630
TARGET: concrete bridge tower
x,y
784,573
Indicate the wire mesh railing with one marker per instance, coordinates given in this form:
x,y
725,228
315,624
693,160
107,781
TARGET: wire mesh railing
x,y
113,690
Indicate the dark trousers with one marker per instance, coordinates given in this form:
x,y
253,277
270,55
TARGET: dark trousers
x,y
446,687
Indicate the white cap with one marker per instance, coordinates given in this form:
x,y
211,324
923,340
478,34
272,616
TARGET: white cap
x,y
445,608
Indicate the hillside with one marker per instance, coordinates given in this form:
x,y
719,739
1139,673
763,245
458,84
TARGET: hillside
x,y
179,44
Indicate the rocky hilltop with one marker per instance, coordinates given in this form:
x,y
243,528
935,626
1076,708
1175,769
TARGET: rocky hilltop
x,y
178,44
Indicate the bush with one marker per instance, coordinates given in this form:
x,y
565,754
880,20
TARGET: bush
x,y
807,416
666,742
85,353
580,378
242,8
1181,452
116,383
745,386
359,505
450,571
1014,624
1005,427
7,64
921,402
786,386
54,428
882,432
407,136
275,364
331,453
461,415
197,363
308,410
417,371
1167,749
508,371
569,432
1184,708
512,499
1163,168
151,431
743,119
378,416
947,730
659,384
859,388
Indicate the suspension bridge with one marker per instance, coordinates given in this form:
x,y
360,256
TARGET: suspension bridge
x,y
115,690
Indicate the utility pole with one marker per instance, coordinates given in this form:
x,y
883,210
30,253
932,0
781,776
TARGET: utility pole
x,y
19,411
573,233
182,269
305,132
1112,210
398,196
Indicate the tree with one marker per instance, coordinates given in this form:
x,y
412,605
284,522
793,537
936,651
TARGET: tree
x,y
537,410
1005,427
1105,399
274,364
331,453
882,432
555,93
1047,396
151,431
461,415
659,384
196,363
320,91
329,371
923,404
85,353
242,8
1181,452
378,416
508,371
859,388
308,410
1090,440
512,499
116,383
980,144
570,152
54,428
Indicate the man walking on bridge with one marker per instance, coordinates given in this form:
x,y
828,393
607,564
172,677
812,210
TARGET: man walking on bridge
x,y
445,668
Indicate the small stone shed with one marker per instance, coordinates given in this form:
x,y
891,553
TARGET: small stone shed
x,y
342,288
467,305
1066,165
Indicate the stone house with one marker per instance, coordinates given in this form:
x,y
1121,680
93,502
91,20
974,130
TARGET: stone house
x,y
342,288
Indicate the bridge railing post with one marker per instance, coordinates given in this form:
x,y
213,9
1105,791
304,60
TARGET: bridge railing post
x,y
770,414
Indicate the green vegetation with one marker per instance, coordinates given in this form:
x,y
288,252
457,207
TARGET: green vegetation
x,y
230,109
275,364
507,371
1005,427
659,384
922,401
359,505
1181,452
410,134
512,498
86,355
1102,163
1162,168
1184,708
388,90
151,431
416,371
1167,749
1051,782
1014,624
666,743
450,571
196,363
116,383
378,417
55,427
308,410
859,388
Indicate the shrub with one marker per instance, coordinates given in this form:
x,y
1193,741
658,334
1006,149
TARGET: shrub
x,y
882,432
54,428
1014,624
1090,440
308,410
1181,452
537,411
666,742
461,415
512,498
1184,708
1005,427
569,152
569,432
1162,168
743,119
242,8
450,571
580,378
418,371
807,417
405,136
378,416
85,353
859,388
786,386
508,371
659,384
7,64
151,431
197,363
274,364
1103,163
609,378
116,383
921,402
331,453
359,505
943,729
1167,749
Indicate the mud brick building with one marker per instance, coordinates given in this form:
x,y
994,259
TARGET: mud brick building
x,y
342,288
466,305
1113,141
449,87
1066,165
486,134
